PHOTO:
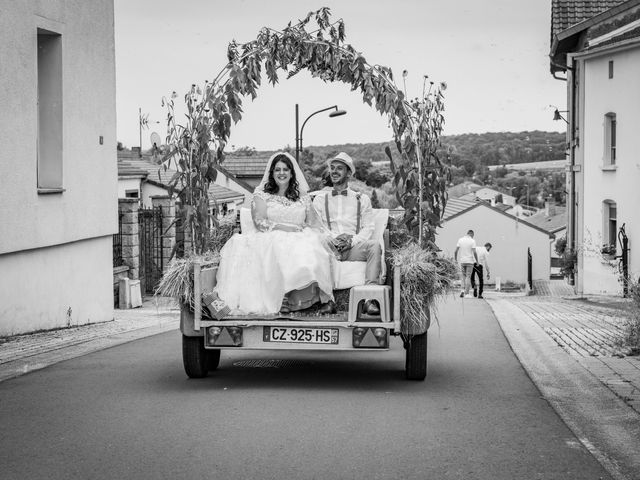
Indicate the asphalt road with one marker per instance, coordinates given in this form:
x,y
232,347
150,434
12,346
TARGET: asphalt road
x,y
130,412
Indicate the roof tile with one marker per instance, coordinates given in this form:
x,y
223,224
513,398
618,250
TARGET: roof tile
x,y
566,13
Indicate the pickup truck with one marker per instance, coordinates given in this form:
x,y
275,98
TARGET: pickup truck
x,y
204,336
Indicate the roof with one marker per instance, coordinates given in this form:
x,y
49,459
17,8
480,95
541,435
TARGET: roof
x,y
455,206
566,13
157,175
458,209
127,169
551,223
462,189
246,166
571,18
547,165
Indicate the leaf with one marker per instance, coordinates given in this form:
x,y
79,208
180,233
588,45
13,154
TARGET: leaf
x,y
387,150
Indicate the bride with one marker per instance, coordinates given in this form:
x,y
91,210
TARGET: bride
x,y
285,265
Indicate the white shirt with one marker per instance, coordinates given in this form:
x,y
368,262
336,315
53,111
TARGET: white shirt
x,y
343,214
465,247
483,257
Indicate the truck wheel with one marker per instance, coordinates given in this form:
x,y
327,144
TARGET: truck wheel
x,y
194,357
213,359
416,357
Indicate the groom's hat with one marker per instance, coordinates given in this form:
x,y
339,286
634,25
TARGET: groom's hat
x,y
344,158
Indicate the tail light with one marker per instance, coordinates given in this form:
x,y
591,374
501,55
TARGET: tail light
x,y
368,337
223,337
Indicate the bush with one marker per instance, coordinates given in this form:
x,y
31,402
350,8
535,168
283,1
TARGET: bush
x,y
631,328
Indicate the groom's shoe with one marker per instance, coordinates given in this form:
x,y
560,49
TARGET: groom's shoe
x,y
327,308
371,308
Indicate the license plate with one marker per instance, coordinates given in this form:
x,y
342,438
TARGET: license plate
x,y
301,335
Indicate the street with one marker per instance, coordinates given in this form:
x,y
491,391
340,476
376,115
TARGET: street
x,y
130,412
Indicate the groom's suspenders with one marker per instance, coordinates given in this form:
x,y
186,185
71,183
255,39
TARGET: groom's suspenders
x,y
326,211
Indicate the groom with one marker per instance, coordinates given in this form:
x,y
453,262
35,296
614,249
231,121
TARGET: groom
x,y
349,217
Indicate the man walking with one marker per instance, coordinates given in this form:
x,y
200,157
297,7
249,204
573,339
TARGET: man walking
x,y
465,254
479,269
348,216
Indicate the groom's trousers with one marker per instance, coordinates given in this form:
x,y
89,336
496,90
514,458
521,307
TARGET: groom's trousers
x,y
369,252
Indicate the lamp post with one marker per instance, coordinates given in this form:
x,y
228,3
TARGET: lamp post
x,y
336,113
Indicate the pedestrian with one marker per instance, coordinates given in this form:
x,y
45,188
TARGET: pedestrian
x,y
465,254
479,269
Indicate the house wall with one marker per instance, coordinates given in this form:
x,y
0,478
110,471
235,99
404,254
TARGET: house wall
x,y
148,191
31,220
621,95
510,239
127,184
55,248
56,286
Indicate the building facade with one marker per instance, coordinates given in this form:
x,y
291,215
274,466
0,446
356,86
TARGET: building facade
x,y
58,209
512,240
600,59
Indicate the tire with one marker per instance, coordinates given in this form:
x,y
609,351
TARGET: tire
x,y
194,357
416,357
213,359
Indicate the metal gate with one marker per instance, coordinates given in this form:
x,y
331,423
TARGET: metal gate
x,y
150,230
529,269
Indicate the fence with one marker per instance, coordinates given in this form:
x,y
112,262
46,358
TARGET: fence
x,y
117,243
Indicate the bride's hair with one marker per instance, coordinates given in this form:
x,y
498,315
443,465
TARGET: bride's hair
x,y
293,192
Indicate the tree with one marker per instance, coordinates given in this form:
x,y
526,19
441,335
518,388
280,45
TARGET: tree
x,y
375,203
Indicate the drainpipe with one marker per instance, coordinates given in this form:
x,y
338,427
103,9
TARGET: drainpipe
x,y
573,142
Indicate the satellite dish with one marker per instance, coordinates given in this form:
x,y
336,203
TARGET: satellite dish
x,y
155,140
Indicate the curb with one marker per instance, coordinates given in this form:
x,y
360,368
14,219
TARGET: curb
x,y
602,422
32,363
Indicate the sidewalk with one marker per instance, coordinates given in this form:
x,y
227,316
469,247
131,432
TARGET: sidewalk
x,y
567,345
21,354
586,328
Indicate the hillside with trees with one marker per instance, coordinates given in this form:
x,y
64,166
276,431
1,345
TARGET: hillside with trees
x,y
469,155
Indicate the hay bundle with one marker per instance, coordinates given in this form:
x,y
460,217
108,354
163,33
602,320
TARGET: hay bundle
x,y
223,231
177,280
425,278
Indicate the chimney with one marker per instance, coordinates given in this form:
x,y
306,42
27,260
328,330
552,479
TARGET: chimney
x,y
549,207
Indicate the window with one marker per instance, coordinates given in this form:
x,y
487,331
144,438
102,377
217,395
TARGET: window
x,y
609,227
610,68
131,194
610,143
49,135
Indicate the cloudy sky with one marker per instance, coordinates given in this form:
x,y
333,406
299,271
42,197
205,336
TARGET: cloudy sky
x,y
493,54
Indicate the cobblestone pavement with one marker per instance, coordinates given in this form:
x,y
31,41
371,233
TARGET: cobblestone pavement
x,y
588,329
20,354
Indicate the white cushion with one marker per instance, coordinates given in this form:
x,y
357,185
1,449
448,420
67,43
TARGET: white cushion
x,y
345,274
350,274
246,221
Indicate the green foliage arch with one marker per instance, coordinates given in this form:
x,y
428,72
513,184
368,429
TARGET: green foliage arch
x,y
197,145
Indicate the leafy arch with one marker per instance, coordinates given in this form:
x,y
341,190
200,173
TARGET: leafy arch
x,y
197,146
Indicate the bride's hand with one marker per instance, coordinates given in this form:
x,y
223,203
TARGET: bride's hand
x,y
289,228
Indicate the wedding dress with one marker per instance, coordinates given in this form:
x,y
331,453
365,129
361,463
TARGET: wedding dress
x,y
257,269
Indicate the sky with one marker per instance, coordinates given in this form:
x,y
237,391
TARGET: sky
x,y
492,54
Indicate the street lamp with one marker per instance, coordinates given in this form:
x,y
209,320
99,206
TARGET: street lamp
x,y
336,113
557,114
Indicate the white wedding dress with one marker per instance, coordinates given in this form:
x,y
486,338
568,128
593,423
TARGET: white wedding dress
x,y
257,269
